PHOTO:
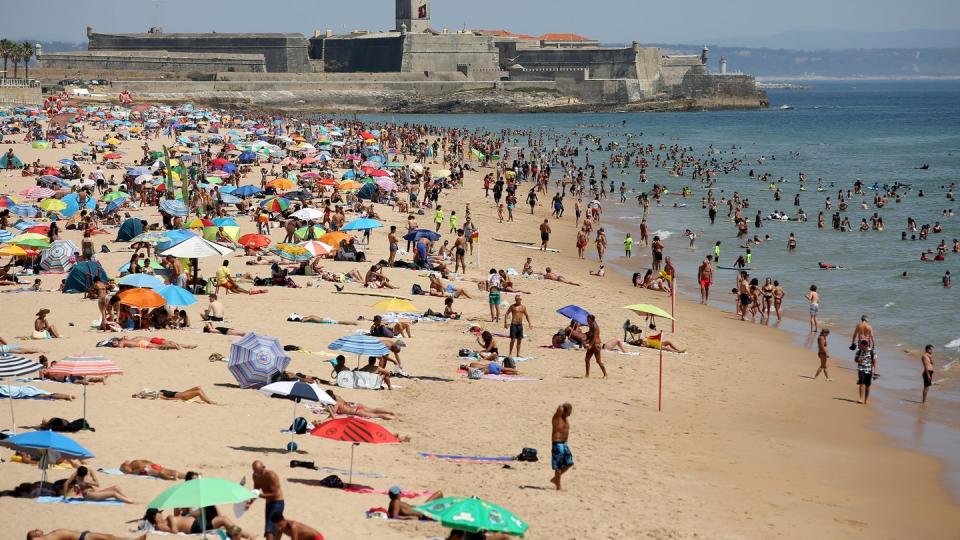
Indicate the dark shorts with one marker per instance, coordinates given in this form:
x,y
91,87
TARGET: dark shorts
x,y
927,379
544,236
461,251
864,377
275,507
560,455
744,299
169,394
394,247
516,331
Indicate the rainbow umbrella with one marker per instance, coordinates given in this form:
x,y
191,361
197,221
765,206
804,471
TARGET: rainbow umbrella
x,y
291,252
303,232
255,359
275,204
57,257
317,249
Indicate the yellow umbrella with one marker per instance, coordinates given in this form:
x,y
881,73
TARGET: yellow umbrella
x,y
52,205
442,173
12,251
396,305
649,309
348,185
113,141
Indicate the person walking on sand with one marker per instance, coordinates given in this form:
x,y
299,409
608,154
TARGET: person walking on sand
x,y
438,218
705,277
593,346
544,234
560,456
927,361
628,246
865,331
823,354
514,318
866,360
268,483
814,298
601,243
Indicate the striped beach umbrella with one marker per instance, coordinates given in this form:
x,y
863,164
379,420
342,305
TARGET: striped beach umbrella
x,y
84,366
360,345
174,208
275,204
6,236
37,192
57,257
291,252
316,248
255,359
15,366
24,210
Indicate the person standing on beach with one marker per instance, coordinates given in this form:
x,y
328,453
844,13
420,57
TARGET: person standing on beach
x,y
705,277
560,456
716,252
823,354
514,319
814,297
394,244
544,234
459,250
493,292
268,483
593,346
601,243
865,331
927,361
628,246
866,362
438,218
656,250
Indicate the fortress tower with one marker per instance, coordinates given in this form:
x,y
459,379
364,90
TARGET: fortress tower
x,y
414,15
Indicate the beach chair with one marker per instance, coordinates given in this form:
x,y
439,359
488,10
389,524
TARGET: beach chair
x,y
359,380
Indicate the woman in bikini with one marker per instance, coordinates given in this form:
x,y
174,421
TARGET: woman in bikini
x,y
489,350
767,292
190,524
83,484
356,409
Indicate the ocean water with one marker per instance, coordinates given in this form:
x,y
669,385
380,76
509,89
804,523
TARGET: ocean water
x,y
839,131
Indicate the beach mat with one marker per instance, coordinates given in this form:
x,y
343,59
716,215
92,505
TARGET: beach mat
x,y
466,459
356,488
51,500
501,378
117,472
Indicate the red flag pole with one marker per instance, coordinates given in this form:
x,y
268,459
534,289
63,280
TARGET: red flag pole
x,y
660,384
673,304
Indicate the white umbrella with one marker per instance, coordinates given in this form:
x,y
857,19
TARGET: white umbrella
x,y
197,247
296,391
308,214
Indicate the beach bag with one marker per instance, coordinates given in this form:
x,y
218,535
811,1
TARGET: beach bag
x,y
509,363
528,454
367,381
299,425
347,379
474,373
417,289
332,481
465,353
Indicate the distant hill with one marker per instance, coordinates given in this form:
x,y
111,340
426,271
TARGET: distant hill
x,y
842,39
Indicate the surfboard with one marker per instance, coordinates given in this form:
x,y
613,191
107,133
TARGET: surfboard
x,y
551,250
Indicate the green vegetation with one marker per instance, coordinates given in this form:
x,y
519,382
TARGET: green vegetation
x,y
17,53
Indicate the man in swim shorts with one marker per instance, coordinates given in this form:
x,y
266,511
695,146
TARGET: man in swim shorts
x,y
927,361
705,277
514,319
560,454
268,483
865,360
67,534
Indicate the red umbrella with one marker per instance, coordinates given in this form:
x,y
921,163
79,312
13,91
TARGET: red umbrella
x,y
39,229
253,241
113,155
218,162
354,430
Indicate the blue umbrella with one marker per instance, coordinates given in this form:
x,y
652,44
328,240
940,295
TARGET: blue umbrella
x,y
174,237
576,313
246,191
362,224
23,210
360,345
225,222
422,233
138,171
114,205
176,296
45,443
255,359
5,236
175,208
141,280
227,198
68,162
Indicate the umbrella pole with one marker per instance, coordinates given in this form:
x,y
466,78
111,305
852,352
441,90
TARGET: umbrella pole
x,y
660,383
293,423
13,418
85,407
673,305
350,481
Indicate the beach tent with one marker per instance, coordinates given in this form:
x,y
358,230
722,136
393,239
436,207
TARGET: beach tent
x,y
17,164
81,277
129,230
367,191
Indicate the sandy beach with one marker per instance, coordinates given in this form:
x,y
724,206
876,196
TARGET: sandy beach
x,y
746,446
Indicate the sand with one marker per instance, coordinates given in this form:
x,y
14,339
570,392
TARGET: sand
x,y
747,446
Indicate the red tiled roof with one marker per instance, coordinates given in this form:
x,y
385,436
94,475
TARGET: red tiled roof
x,y
548,37
563,37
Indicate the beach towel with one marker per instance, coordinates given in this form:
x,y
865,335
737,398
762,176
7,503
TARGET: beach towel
x,y
467,459
356,488
117,472
501,378
51,500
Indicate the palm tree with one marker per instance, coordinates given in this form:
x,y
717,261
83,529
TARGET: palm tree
x,y
15,57
6,51
26,53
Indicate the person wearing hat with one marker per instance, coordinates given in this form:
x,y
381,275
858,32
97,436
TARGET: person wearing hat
x,y
397,509
42,329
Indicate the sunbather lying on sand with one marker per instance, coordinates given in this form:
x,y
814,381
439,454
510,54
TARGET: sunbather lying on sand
x,y
491,368
397,509
209,328
67,534
145,467
438,289
13,348
170,395
553,276
83,483
75,379
356,409
144,342
295,317
645,343
191,524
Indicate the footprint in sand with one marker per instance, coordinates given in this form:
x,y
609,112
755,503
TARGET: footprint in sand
x,y
851,522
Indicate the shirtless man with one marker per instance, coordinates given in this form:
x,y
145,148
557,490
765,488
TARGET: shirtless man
x,y
865,331
527,267
823,354
743,290
514,319
294,529
394,244
561,457
705,277
397,509
459,250
67,534
268,483
593,346
553,276
927,361
214,310
100,293
376,279
145,467
544,235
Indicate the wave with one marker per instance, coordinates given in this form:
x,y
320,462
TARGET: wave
x,y
955,344
662,234
889,304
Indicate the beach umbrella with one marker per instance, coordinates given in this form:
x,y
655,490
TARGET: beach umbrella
x,y
84,366
576,313
473,515
153,264
201,493
227,198
15,366
303,232
246,191
416,234
6,236
67,162
316,248
275,204
142,298
291,252
37,192
150,237
52,205
253,241
23,210
386,184
113,155
308,214
281,184
56,258
296,391
334,238
360,345
174,208
349,185
362,224
12,251
176,296
48,444
442,173
255,359
32,240
230,231
198,223
356,431
114,195
396,305
649,309
197,247
141,280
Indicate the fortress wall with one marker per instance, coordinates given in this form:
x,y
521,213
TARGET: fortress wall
x,y
674,68
448,52
734,86
371,55
282,52
153,61
322,77
599,63
226,89
647,63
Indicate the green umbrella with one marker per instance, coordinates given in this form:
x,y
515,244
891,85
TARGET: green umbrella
x,y
201,493
473,515
113,195
318,231
32,242
649,309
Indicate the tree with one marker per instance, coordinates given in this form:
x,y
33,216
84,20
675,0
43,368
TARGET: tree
x,y
15,57
6,52
26,53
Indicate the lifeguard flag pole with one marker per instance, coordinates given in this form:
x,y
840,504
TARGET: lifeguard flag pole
x,y
673,305
659,338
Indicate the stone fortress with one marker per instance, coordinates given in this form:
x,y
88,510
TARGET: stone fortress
x,y
411,62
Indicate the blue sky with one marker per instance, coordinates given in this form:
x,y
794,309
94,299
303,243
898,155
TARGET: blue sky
x,y
688,21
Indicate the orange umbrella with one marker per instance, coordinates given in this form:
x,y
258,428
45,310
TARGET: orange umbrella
x,y
142,298
348,185
282,184
253,241
334,238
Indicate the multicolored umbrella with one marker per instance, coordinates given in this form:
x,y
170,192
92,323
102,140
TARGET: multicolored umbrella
x,y
31,239
275,204
150,237
37,192
356,431
52,205
303,232
255,359
317,249
473,515
57,257
114,195
291,252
